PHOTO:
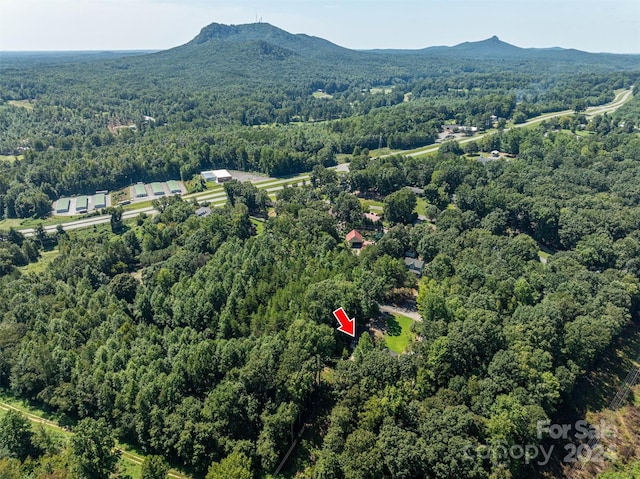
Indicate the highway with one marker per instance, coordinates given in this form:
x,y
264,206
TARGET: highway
x,y
620,99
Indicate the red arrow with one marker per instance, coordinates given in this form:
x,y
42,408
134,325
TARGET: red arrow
x,y
347,326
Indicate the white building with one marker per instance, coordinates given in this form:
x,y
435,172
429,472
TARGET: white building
x,y
219,176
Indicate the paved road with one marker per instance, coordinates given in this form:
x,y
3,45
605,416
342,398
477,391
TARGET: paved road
x,y
387,308
620,99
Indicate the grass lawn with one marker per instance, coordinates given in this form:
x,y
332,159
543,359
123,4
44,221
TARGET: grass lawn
x,y
10,158
46,257
383,90
321,94
22,223
277,183
398,335
136,205
421,207
368,204
21,103
128,468
259,225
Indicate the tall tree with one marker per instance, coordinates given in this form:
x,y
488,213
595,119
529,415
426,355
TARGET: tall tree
x,y
236,465
154,467
399,206
16,436
93,450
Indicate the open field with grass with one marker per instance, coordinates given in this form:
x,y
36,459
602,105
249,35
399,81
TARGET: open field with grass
x,y
46,257
383,90
372,205
421,207
259,224
27,104
10,158
321,94
18,223
398,334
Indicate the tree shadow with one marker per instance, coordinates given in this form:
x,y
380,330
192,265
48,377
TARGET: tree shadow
x,y
393,326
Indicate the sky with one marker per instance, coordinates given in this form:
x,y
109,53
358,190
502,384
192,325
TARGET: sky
x,y
590,25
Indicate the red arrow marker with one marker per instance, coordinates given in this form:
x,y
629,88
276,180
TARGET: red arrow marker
x,y
347,326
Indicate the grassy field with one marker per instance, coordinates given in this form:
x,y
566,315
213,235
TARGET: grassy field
x,y
10,158
21,104
259,225
421,207
544,254
46,257
321,94
372,205
398,335
22,223
383,90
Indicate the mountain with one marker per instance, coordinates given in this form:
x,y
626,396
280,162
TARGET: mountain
x,y
494,48
263,32
259,54
260,51
491,47
238,58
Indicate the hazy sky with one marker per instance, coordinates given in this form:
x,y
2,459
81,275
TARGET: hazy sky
x,y
591,25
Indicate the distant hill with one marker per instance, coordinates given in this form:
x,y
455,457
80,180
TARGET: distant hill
x,y
491,47
495,48
260,54
238,58
264,32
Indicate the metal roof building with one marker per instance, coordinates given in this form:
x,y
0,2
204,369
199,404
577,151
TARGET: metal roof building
x,y
82,203
174,187
157,189
100,201
208,176
63,205
219,176
140,191
222,175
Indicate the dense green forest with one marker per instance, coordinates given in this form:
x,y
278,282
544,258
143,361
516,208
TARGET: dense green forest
x,y
225,342
209,342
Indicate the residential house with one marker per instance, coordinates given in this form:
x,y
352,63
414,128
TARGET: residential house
x,y
415,265
354,239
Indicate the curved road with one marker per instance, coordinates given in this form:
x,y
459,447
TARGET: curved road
x,y
620,99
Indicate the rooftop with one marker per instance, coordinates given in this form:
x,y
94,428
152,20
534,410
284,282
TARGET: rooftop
x,y
354,234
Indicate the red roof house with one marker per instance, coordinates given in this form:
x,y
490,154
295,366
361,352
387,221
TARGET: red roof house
x,y
354,238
